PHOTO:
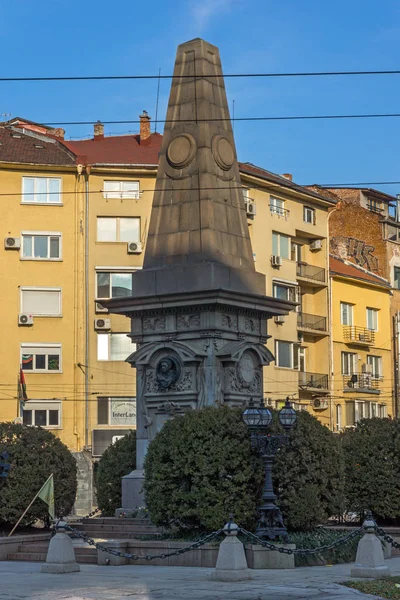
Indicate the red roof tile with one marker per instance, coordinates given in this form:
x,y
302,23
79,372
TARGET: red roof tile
x,y
339,267
118,150
19,146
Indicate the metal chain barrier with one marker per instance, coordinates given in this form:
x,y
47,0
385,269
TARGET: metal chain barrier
x,y
387,537
89,516
304,551
91,542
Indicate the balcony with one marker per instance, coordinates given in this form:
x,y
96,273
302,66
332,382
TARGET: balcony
x,y
360,336
361,382
312,324
314,276
376,209
278,210
313,381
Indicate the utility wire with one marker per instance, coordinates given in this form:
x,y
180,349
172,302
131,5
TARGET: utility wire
x,y
224,76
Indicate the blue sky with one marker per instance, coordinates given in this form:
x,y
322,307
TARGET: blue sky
x,y
70,37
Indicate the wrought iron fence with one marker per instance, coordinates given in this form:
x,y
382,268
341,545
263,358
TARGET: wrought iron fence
x,y
361,381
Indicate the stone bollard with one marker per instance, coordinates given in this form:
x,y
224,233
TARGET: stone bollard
x,y
231,562
60,555
369,559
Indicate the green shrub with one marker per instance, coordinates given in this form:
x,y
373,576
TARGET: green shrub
x,y
118,460
34,454
200,468
372,458
309,474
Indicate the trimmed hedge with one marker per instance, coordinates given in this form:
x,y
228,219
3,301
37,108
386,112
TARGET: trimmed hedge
x,y
201,467
34,454
118,460
372,458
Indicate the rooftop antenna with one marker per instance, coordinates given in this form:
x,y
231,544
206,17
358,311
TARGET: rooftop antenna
x,y
5,115
158,96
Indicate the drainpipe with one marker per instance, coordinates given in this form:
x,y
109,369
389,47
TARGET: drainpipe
x,y
87,173
330,316
396,361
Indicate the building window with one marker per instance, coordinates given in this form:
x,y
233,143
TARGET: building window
x,y
116,411
277,206
285,292
41,358
296,252
382,411
349,363
41,246
359,409
286,354
110,284
309,215
121,189
41,190
280,245
41,302
375,365
346,313
114,346
118,229
372,319
339,417
42,414
396,278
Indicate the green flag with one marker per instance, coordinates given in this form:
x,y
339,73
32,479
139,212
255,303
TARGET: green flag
x,y
46,493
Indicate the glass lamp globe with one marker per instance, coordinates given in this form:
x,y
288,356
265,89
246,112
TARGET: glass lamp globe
x,y
287,416
252,416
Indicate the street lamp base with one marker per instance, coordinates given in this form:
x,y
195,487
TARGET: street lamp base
x,y
272,532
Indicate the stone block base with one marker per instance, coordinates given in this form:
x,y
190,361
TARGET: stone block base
x,y
60,568
370,572
230,575
104,558
259,557
132,495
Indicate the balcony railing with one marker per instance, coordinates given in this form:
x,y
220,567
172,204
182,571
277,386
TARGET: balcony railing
x,y
375,209
310,272
314,381
358,335
279,210
361,382
307,321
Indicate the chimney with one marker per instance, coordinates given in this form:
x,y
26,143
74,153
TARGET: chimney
x,y
98,131
145,132
288,176
59,133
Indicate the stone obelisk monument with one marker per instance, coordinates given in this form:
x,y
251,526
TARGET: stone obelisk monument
x,y
199,311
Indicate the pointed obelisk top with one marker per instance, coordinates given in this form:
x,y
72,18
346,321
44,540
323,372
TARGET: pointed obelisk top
x,y
198,210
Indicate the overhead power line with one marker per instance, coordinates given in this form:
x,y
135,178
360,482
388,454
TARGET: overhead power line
x,y
225,76
278,118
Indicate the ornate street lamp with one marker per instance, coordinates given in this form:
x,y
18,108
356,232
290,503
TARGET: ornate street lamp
x,y
258,419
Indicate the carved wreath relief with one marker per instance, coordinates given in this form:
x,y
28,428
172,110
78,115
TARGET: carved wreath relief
x,y
156,324
187,321
246,376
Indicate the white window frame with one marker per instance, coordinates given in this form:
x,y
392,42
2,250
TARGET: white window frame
x,y
41,200
374,312
279,237
47,349
349,313
277,206
382,411
48,234
292,290
58,290
375,360
111,270
307,210
103,336
117,229
47,405
339,417
296,251
348,362
122,193
277,342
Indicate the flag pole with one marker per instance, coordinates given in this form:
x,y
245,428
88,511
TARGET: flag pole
x,y
26,510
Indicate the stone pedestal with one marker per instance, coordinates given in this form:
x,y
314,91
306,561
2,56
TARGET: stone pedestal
x,y
132,495
231,562
60,555
369,559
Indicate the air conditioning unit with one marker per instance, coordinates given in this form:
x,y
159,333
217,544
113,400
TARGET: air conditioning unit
x,y
279,319
11,243
99,308
276,261
319,403
316,245
25,319
250,207
135,247
102,324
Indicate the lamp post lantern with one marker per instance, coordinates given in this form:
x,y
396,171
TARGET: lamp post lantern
x,y
258,419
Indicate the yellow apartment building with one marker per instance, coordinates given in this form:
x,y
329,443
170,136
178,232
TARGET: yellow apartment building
x,y
362,369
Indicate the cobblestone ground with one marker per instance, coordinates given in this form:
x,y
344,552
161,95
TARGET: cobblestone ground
x,y
24,581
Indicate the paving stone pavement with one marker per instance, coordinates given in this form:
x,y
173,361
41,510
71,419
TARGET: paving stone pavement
x,y
24,581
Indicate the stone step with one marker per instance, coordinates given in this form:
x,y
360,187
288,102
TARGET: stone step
x,y
115,520
111,528
87,557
